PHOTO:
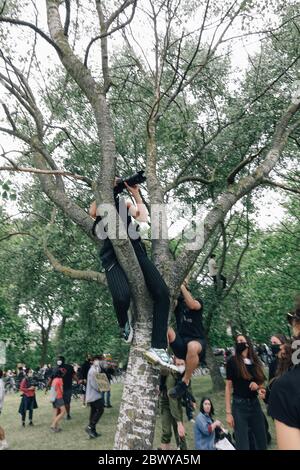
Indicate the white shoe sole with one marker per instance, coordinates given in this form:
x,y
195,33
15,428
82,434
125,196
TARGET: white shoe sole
x,y
155,360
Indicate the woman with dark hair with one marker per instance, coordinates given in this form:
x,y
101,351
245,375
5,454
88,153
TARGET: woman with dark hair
x,y
283,363
284,402
277,343
28,402
205,426
245,376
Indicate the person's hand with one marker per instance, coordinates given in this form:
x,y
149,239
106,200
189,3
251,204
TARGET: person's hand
x,y
194,405
134,190
230,420
253,387
262,393
181,430
217,423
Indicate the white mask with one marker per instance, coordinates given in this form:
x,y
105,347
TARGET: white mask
x,y
59,363
181,369
96,363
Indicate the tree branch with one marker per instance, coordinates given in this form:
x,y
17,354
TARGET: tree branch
x,y
5,19
280,185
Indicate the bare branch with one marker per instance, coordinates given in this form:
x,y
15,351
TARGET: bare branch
x,y
48,172
6,19
68,17
280,185
241,165
185,179
9,235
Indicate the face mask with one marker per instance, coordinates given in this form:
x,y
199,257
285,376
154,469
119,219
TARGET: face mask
x,y
181,369
59,363
240,347
96,363
275,348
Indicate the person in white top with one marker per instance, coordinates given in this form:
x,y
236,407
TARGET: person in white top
x,y
3,443
213,271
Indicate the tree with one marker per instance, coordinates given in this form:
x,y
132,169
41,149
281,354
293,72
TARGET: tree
x,y
181,67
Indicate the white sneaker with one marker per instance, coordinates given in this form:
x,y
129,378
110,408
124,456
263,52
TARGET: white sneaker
x,y
160,357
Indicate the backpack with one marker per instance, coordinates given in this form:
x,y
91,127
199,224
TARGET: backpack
x,y
52,394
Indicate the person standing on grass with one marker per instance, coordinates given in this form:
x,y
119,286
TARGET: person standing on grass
x,y
56,397
68,374
93,397
28,402
284,401
3,442
244,378
171,410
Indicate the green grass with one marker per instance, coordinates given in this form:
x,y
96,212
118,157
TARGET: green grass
x,y
73,436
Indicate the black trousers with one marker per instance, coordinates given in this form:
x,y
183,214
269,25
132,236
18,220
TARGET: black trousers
x,y
30,412
120,291
222,278
248,416
97,408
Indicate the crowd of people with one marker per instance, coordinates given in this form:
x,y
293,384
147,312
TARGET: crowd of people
x,y
94,378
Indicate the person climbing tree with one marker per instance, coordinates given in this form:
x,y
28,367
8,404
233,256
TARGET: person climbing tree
x,y
117,280
188,342
213,272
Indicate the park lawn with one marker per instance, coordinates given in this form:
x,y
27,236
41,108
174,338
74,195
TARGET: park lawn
x,y
73,436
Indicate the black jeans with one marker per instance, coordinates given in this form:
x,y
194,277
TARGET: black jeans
x,y
120,291
30,412
248,416
97,408
222,278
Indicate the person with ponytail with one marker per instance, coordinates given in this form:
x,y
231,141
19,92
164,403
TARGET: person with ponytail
x,y
244,378
284,401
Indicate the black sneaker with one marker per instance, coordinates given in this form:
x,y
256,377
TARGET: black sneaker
x,y
127,333
90,432
178,391
30,423
23,424
69,417
108,406
97,434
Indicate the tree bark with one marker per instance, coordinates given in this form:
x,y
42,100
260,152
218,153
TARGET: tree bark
x,y
214,369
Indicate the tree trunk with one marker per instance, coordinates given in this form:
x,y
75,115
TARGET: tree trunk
x,y
216,377
45,340
137,417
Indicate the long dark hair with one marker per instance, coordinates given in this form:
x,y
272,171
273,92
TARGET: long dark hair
x,y
281,338
284,360
212,410
258,372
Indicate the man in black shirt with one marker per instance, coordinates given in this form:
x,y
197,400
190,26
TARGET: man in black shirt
x,y
188,342
68,376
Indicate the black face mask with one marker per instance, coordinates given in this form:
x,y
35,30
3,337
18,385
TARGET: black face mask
x,y
240,347
275,348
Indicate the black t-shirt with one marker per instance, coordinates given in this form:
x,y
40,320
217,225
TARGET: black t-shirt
x,y
284,401
273,367
240,386
189,322
68,372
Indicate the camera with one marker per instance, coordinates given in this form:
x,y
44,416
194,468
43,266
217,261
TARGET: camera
x,y
137,178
